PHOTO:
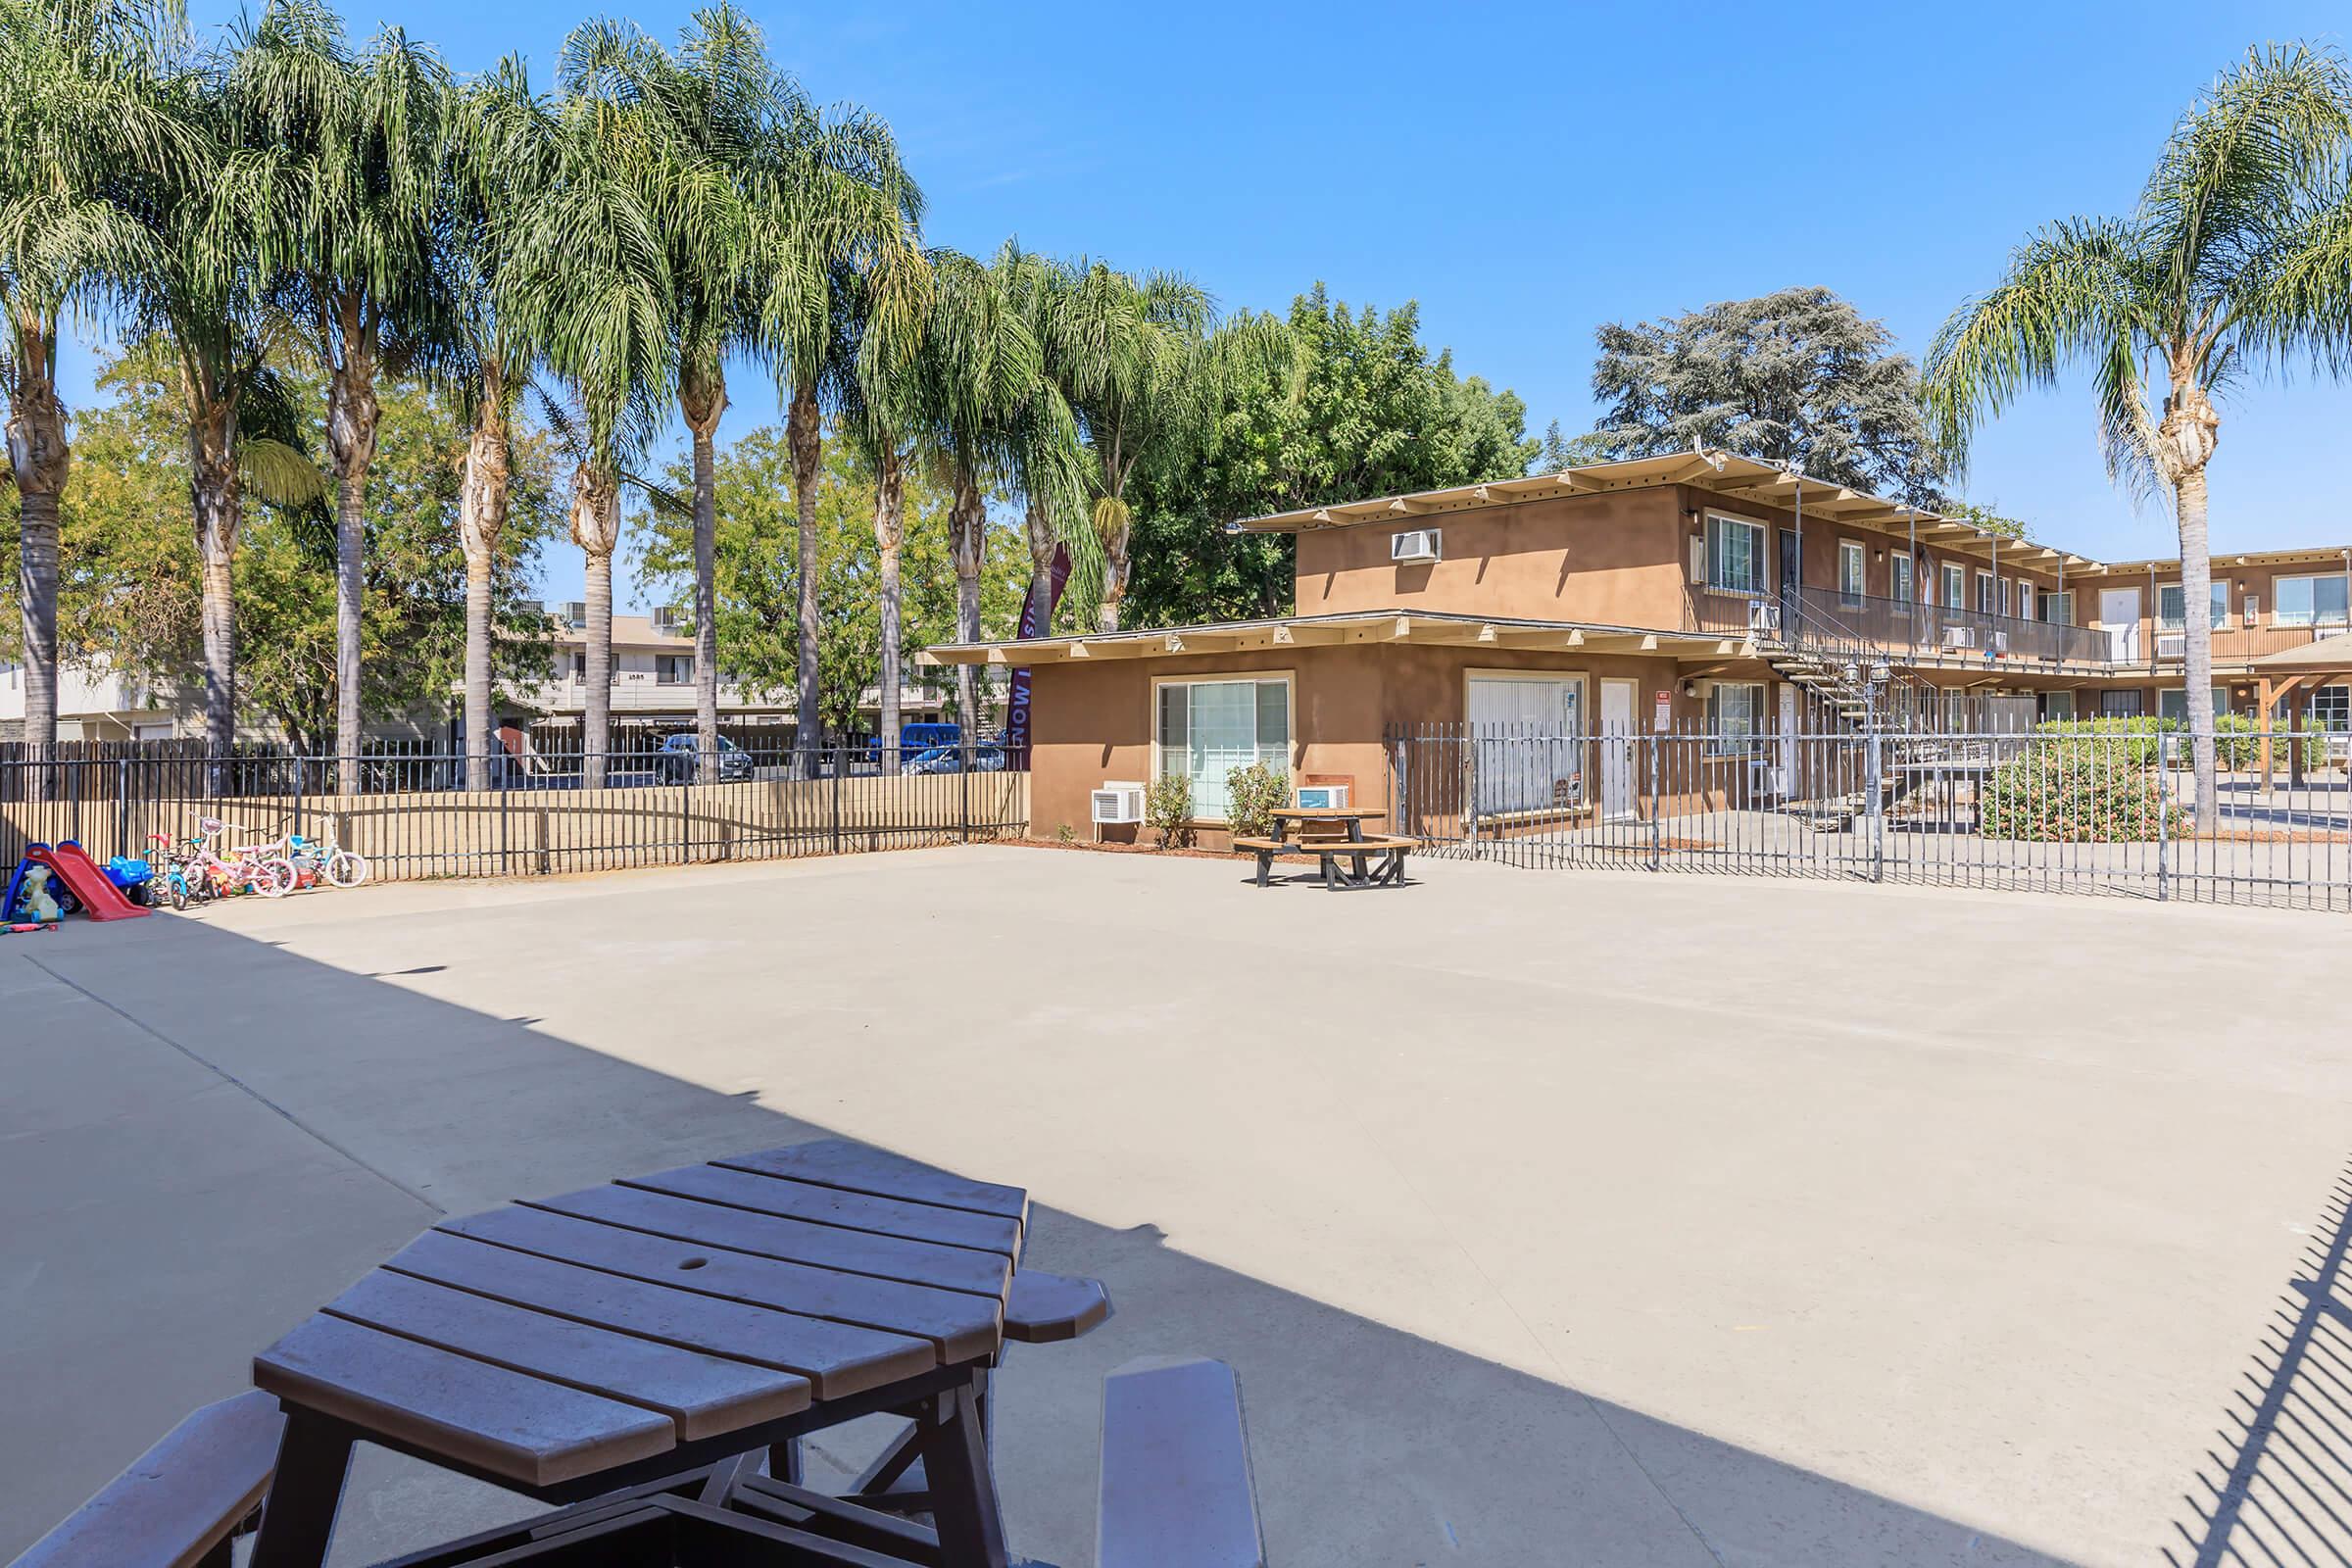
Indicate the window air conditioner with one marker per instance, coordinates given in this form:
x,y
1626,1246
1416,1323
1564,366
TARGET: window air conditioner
x,y
1118,802
2171,644
1322,797
1763,615
1415,545
1959,636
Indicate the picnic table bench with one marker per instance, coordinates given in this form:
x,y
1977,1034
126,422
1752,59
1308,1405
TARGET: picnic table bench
x,y
633,1353
1331,834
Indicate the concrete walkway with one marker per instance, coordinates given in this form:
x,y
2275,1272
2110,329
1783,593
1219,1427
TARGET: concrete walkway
x,y
1548,1218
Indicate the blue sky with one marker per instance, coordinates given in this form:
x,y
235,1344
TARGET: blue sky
x,y
1527,172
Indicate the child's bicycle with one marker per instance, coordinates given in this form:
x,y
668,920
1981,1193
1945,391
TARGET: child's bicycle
x,y
246,867
313,858
179,876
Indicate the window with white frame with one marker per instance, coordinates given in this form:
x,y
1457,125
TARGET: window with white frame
x,y
1985,597
2309,600
1734,555
1853,569
2007,588
1206,728
2171,606
673,669
1735,715
2058,609
2024,601
2330,708
1956,586
1899,577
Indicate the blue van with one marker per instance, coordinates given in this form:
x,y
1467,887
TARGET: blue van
x,y
914,738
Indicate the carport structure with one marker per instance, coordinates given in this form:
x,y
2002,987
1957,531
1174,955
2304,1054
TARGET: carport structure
x,y
2284,681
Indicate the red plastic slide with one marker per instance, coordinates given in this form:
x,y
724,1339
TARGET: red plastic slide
x,y
100,898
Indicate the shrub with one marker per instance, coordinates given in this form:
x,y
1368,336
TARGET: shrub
x,y
2078,794
1258,790
1169,810
2237,740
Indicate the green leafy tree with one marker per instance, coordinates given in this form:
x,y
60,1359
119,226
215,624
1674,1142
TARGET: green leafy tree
x,y
2168,307
1356,406
757,561
1796,376
131,594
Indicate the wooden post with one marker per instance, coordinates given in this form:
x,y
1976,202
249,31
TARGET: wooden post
x,y
2262,712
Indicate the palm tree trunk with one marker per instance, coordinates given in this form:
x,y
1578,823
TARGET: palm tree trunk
x,y
2196,643
1116,538
1040,527
804,437
596,529
890,507
219,508
351,425
40,458
968,529
481,519
702,399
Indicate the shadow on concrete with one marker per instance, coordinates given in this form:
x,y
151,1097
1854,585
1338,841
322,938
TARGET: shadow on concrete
x,y
2278,1487
205,1136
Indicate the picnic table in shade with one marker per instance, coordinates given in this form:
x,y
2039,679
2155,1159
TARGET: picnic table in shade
x,y
632,1350
1334,834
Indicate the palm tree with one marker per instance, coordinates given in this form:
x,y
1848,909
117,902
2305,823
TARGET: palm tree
x,y
588,283
367,139
503,142
834,203
978,369
84,102
221,224
696,131
2183,293
1127,352
1050,459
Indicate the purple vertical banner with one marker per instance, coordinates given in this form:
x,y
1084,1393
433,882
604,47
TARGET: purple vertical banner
x,y
1037,618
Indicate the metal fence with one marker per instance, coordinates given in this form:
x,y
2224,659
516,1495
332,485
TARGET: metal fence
x,y
2073,810
414,815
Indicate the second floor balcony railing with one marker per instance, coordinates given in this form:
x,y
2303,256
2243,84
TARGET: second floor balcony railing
x,y
1899,626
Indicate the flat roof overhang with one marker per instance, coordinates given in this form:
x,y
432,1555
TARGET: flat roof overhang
x,y
1364,627
1733,478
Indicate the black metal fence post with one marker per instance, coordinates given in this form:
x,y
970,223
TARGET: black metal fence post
x,y
839,760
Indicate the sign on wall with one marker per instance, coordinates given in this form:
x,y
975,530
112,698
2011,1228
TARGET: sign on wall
x,y
1661,716
1036,614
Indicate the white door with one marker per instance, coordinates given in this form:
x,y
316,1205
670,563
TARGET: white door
x,y
1617,749
1784,781
1518,730
2119,614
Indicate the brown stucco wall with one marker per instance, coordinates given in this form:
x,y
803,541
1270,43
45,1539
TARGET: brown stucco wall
x,y
1091,720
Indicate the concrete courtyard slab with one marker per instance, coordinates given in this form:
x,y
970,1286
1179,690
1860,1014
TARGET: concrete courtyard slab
x,y
1547,1217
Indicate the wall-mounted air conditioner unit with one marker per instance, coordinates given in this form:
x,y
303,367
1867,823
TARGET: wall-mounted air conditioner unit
x,y
1416,546
1323,797
1959,636
667,619
1118,802
1763,615
2172,644
2000,642
572,613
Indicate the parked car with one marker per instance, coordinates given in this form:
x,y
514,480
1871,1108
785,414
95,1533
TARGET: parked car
x,y
676,760
916,737
950,760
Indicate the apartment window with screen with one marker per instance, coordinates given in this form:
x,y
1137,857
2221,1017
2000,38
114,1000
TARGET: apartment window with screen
x,y
2174,704
1984,599
673,669
1734,556
2058,609
1899,578
2024,601
1735,711
1207,728
2309,600
2171,606
1956,586
1852,569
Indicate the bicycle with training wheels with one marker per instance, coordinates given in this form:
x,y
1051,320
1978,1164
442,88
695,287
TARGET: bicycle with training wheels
x,y
258,868
180,874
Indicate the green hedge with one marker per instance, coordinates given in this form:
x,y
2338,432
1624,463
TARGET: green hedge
x,y
2237,740
2078,794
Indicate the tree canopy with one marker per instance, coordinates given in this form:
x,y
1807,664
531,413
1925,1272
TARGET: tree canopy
x,y
759,581
1362,409
1794,376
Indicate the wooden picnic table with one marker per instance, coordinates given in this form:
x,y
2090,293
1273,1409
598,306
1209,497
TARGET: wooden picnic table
x,y
597,1344
1339,834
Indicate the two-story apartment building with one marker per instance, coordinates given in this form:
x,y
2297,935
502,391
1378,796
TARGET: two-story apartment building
x,y
1694,592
